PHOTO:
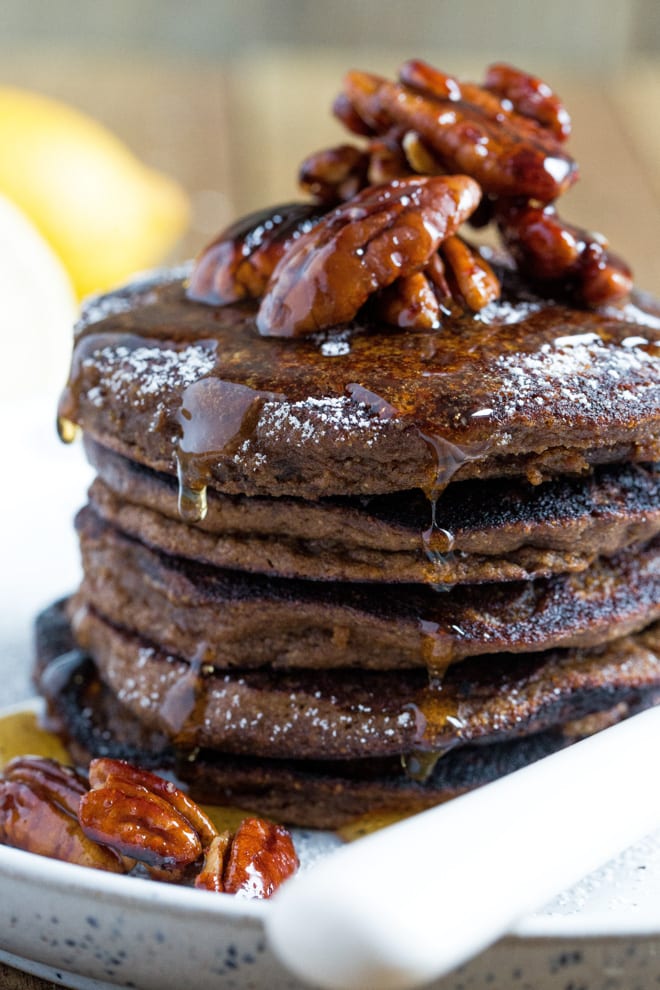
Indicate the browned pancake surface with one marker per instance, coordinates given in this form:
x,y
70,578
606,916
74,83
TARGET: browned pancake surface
x,y
485,530
526,387
341,714
232,619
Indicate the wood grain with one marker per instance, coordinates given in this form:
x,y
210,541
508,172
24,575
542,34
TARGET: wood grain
x,y
13,979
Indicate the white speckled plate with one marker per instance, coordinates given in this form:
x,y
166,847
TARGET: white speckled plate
x,y
92,930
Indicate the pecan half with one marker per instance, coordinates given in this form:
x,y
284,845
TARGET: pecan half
x,y
560,256
530,96
39,800
467,128
335,174
239,262
475,281
409,302
456,272
211,875
104,771
384,233
144,816
261,858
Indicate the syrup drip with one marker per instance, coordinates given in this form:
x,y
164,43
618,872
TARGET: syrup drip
x,y
436,709
192,502
449,458
379,406
438,543
21,734
183,702
419,765
373,821
67,430
60,672
216,417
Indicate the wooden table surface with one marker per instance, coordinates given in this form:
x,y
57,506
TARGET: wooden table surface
x,y
234,134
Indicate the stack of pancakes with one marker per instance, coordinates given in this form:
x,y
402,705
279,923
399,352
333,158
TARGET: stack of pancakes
x,y
367,570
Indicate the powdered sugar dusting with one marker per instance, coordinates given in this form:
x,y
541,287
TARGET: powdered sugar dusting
x,y
571,372
147,371
315,419
233,707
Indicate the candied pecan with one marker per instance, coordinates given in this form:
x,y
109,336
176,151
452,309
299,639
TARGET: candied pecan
x,y
337,174
210,877
64,784
561,256
387,161
344,111
409,302
334,175
384,233
467,128
261,858
39,800
418,155
142,815
436,272
239,262
104,770
530,97
474,278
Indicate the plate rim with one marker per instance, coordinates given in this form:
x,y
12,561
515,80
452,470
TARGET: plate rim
x,y
174,899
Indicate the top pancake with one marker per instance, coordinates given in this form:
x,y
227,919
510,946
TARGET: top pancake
x,y
525,387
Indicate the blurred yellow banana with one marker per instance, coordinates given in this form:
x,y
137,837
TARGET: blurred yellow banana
x,y
102,211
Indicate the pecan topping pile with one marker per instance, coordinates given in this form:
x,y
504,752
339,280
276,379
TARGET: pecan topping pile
x,y
382,231
126,816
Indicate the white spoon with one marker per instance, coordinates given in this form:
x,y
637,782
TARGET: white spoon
x,y
408,904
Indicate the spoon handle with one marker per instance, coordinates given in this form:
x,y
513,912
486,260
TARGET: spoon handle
x,y
408,904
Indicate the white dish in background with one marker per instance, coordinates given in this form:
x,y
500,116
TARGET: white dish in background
x,y
92,930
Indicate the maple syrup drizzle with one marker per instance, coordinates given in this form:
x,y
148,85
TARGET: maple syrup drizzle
x,y
21,735
184,702
67,430
217,417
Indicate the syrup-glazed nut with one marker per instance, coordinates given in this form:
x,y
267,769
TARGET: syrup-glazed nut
x,y
384,233
409,302
334,175
105,771
387,162
344,111
468,130
563,257
261,858
239,262
136,822
38,807
475,280
436,272
211,875
63,785
604,277
337,174
418,155
145,816
530,97
426,78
